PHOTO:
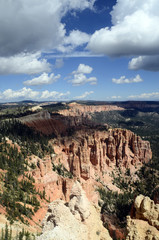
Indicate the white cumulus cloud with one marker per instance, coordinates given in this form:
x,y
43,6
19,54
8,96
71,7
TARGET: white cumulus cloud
x,y
143,96
43,79
74,39
34,25
24,63
28,93
84,95
24,93
123,80
79,77
54,95
28,27
82,68
134,33
149,63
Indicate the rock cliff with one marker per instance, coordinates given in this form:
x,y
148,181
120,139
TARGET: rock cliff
x,y
77,219
56,124
76,109
64,121
91,154
144,224
43,122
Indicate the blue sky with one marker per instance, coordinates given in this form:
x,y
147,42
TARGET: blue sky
x,y
57,50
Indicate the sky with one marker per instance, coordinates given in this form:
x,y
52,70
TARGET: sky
x,y
62,50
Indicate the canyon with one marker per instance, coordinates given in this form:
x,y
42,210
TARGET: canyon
x,y
62,121
87,155
87,151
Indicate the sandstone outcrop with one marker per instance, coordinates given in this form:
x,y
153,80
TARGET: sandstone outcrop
x,y
76,109
43,122
141,230
77,219
90,157
79,204
90,154
63,121
54,185
56,124
145,222
147,210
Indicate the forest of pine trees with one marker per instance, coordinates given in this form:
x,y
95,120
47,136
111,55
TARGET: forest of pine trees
x,y
15,194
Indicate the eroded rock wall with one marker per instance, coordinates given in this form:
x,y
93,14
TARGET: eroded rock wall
x,y
62,122
90,154
91,157
76,109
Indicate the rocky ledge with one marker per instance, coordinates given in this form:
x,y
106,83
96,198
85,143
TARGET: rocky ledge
x,y
76,220
144,223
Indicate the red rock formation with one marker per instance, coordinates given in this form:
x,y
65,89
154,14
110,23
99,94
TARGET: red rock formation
x,y
56,124
90,154
63,121
91,157
54,185
43,122
76,109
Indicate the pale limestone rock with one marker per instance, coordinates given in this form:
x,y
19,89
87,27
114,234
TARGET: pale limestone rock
x,y
78,220
147,210
60,224
141,230
138,201
79,204
145,226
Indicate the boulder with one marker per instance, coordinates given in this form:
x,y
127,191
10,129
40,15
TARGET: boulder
x,y
145,222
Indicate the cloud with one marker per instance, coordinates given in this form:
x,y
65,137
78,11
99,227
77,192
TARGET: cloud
x,y
145,96
133,32
24,63
74,39
28,93
74,54
149,63
82,68
43,79
79,5
123,80
24,93
33,25
116,97
54,95
84,95
79,77
113,97
28,28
